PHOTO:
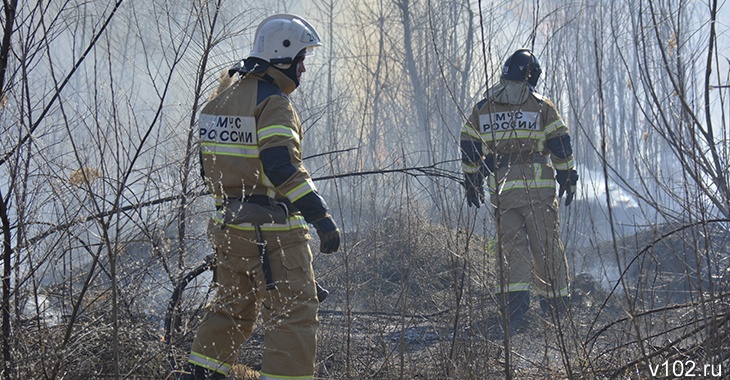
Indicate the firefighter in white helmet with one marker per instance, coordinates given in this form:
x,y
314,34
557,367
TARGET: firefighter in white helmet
x,y
252,163
516,139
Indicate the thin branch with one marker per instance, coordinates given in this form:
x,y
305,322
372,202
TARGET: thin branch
x,y
417,171
63,84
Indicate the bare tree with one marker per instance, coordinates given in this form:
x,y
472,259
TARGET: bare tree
x,y
91,166
101,210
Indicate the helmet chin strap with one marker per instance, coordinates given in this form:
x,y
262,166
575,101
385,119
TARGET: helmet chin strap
x,y
290,70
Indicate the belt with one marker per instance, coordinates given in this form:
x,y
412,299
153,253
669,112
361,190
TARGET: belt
x,y
506,160
263,200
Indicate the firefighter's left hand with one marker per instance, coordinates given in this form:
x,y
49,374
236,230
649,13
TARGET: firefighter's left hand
x,y
329,234
474,189
567,179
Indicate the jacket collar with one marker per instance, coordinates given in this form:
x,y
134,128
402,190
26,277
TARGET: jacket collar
x,y
509,92
278,79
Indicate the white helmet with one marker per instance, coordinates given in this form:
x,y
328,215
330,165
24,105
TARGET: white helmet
x,y
279,38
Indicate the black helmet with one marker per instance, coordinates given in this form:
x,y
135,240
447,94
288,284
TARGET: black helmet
x,y
522,65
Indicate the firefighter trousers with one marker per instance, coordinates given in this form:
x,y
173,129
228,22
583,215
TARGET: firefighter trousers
x,y
532,245
289,312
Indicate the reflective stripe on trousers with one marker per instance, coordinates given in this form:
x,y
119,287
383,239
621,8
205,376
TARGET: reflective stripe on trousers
x,y
209,363
266,376
513,287
562,292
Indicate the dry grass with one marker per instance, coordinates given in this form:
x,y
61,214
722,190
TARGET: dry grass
x,y
415,303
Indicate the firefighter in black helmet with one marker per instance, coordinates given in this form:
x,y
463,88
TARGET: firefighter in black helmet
x,y
516,140
522,66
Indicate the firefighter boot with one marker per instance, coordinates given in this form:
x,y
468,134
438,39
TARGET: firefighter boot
x,y
557,306
518,304
194,372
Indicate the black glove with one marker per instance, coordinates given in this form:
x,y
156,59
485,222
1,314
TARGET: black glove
x,y
567,179
329,235
474,189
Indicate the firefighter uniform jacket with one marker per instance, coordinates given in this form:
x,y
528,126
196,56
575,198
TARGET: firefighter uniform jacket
x,y
518,135
251,147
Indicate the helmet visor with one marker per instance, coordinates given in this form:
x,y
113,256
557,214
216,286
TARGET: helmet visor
x,y
307,51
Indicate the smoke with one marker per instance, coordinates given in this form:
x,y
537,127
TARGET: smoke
x,y
605,276
592,188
